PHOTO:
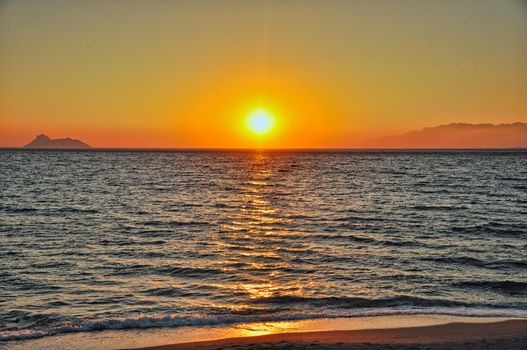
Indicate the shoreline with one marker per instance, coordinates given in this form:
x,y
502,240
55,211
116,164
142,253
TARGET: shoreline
x,y
508,334
192,336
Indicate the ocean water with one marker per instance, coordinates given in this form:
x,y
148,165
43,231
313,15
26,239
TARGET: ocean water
x,y
126,239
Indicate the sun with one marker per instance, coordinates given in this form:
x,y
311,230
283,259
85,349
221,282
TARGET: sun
x,y
260,121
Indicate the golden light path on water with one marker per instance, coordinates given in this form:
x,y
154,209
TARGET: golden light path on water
x,y
252,222
261,242
261,239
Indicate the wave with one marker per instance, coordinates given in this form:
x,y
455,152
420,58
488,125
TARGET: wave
x,y
174,223
371,240
495,228
173,321
189,271
365,303
64,210
13,210
467,260
438,207
503,287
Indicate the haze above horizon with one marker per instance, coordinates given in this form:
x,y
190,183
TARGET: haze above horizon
x,y
316,74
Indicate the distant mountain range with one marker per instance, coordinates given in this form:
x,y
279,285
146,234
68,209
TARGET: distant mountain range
x,y
455,135
44,142
458,135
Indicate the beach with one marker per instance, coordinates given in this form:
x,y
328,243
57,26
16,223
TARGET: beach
x,y
378,332
510,334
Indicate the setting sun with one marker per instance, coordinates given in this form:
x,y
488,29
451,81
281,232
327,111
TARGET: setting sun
x,y
260,121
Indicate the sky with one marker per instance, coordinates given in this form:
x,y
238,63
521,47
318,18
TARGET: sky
x,y
332,73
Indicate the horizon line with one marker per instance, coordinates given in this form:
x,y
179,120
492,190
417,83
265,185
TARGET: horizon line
x,y
248,149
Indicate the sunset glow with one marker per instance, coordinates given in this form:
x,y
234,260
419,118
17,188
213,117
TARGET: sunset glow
x,y
261,74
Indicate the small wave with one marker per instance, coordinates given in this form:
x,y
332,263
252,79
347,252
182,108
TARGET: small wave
x,y
76,210
151,242
356,302
358,239
368,240
359,218
507,263
189,271
492,228
17,210
57,211
171,292
175,223
466,260
437,208
503,287
116,242
51,264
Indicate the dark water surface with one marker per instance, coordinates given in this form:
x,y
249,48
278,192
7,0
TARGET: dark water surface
x,y
99,240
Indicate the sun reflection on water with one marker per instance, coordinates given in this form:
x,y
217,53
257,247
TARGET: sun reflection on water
x,y
248,234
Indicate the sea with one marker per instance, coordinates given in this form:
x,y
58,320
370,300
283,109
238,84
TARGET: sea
x,y
136,239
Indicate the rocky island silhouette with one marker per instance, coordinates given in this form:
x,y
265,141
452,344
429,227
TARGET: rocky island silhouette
x,y
44,142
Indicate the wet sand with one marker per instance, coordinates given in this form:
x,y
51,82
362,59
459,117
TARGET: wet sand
x,y
511,334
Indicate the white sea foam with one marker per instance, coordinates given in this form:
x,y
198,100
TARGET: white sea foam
x,y
145,322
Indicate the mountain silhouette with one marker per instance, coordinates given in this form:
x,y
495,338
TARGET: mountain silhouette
x,y
44,142
458,135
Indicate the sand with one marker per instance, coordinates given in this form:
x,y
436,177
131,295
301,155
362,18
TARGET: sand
x,y
510,335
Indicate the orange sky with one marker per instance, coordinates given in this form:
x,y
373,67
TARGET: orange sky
x,y
186,74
